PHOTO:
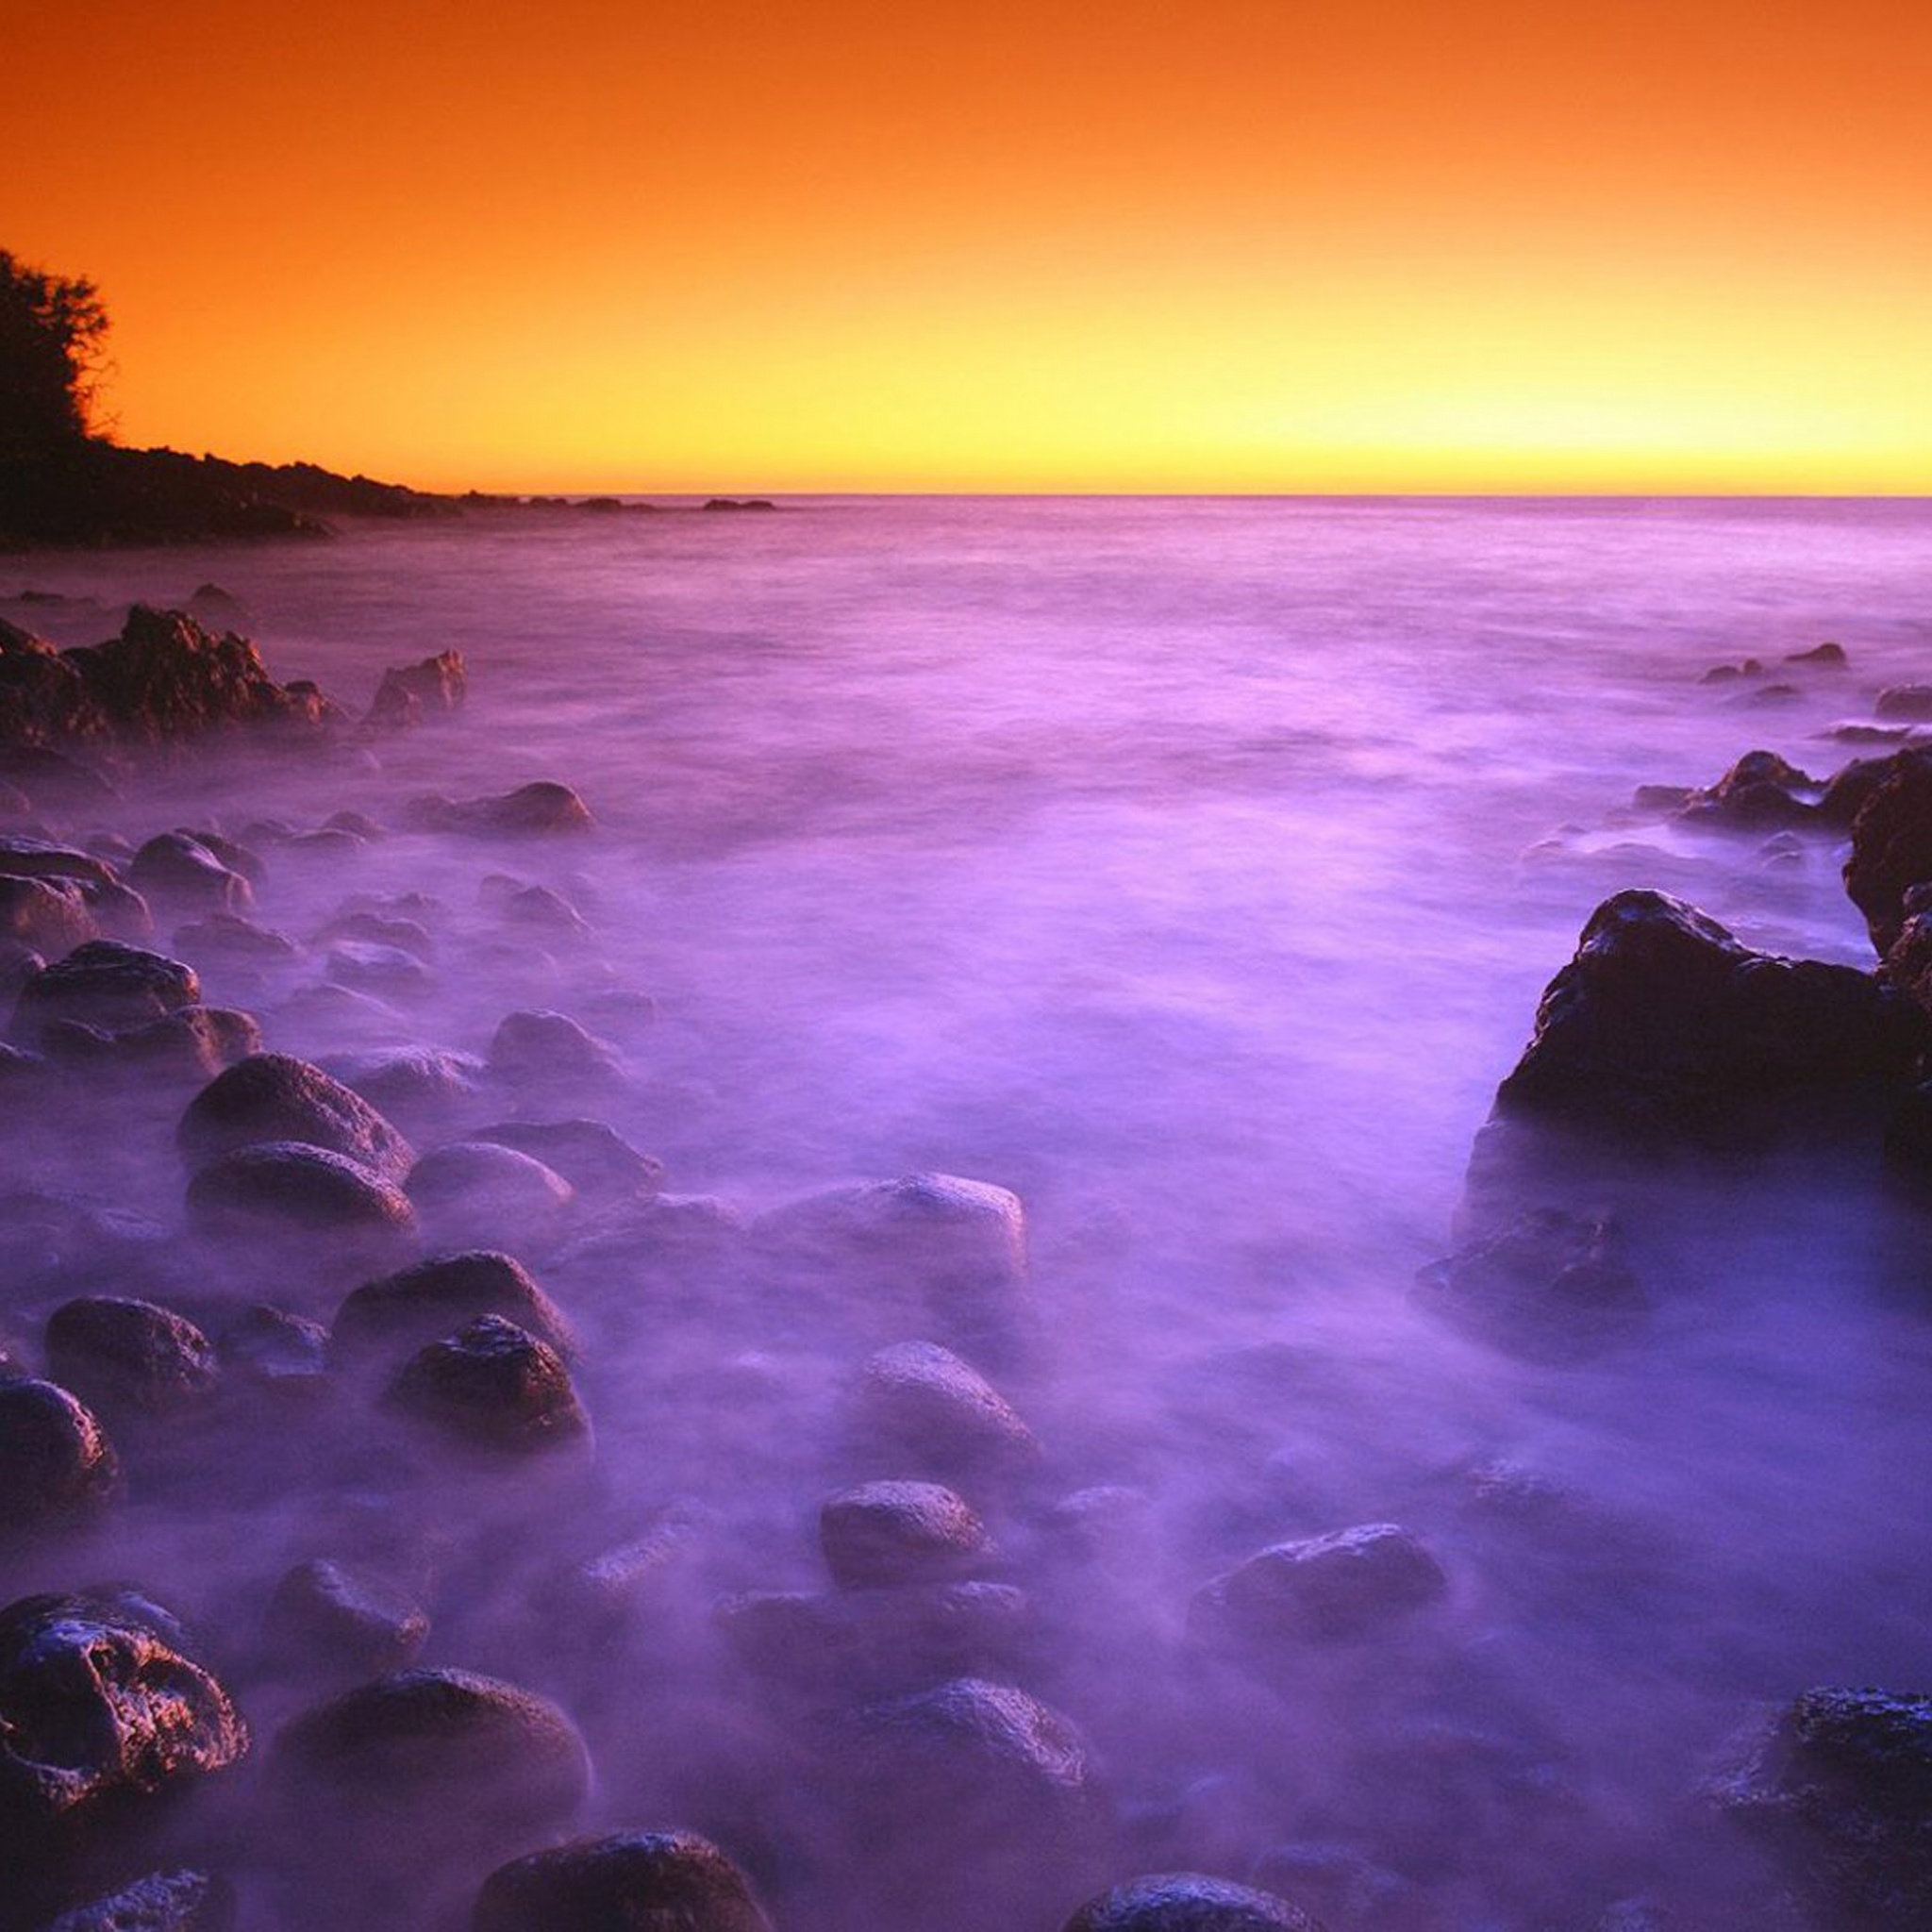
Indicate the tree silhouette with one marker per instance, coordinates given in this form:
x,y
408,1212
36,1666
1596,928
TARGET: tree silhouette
x,y
51,330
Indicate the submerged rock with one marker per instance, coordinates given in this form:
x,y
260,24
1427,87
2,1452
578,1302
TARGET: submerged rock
x,y
483,1193
631,1881
57,1469
130,1357
592,1157
1188,1902
402,1313
1347,1584
550,1050
288,1187
272,1097
106,984
1762,789
1892,843
494,1385
938,1414
162,1901
412,693
326,1618
178,868
1664,1022
1840,1784
543,807
885,1533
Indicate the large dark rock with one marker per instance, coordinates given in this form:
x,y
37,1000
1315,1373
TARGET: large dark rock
x,y
1759,793
50,915
550,1051
1548,1285
57,1469
1188,1902
412,693
493,1386
25,857
632,1881
1840,1783
274,1097
288,1188
44,700
425,1090
1350,1583
543,807
938,1415
130,1358
177,869
1891,845
401,1313
162,1901
185,1047
1663,1022
481,1194
100,1704
881,1534
104,984
328,1620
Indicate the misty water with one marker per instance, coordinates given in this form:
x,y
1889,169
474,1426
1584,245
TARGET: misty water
x,y
1192,869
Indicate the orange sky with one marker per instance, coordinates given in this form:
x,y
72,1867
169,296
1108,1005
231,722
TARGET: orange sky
x,y
1221,245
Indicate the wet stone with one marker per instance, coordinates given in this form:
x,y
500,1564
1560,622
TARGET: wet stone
x,y
107,984
400,1313
177,869
50,915
325,1619
271,1097
290,1186
1350,1583
1188,1902
162,1901
937,1414
277,1351
545,1049
481,1191
592,1157
57,1469
130,1358
881,1534
493,1386
420,1088
672,1880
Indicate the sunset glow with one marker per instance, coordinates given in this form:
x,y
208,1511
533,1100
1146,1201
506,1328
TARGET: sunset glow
x,y
1237,246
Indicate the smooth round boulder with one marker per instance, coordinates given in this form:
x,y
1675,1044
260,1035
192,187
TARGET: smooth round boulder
x,y
326,1618
188,1045
936,1414
287,1187
106,984
1350,1583
493,1386
1188,1902
418,1087
879,1535
538,1048
598,1161
481,1194
162,1901
131,1357
57,1469
630,1881
49,915
391,972
400,1313
540,808
272,1097
275,1351
100,1704
176,868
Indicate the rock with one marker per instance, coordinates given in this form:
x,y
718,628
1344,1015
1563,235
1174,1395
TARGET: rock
x,y
1188,1902
368,927
938,1415
178,870
162,1901
632,1881
1662,1022
272,1097
543,807
1911,701
1840,1783
49,915
25,857
388,971
330,1620
551,1050
925,1252
229,940
57,1469
1826,656
130,1357
417,1086
190,1045
287,1187
100,1705
881,1534
43,699
1350,1583
481,1194
494,1385
543,911
1760,789
397,1786
401,1313
411,693
104,984
277,1351
1891,845
592,1157
971,1804
1549,1286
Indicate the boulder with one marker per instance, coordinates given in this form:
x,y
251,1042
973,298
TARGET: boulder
x,y
493,1386
1827,656
1760,790
57,1469
400,1313
391,972
550,1050
186,1046
1912,703
1840,1783
418,1087
1549,1286
1892,843
631,1881
328,1620
273,1349
162,1901
227,939
288,1187
129,1357
1188,1902
540,808
49,915
25,858
272,1097
1663,1022
880,1534
592,1157
411,693
937,1415
177,869
104,984
1347,1584
479,1193
44,700
101,1705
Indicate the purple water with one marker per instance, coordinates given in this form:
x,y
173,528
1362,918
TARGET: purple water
x,y
1192,868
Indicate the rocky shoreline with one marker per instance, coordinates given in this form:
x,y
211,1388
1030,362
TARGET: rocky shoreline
x,y
366,1299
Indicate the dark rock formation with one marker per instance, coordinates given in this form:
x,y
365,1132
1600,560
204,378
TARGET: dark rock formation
x,y
1188,1902
275,1351
1840,1783
418,1087
1346,1584
1891,845
592,1157
227,939
101,1705
411,693
1826,656
401,1313
289,1187
881,1534
330,1620
551,1052
1909,702
493,1386
1549,1286
938,1415
1662,1022
482,1193
543,807
1761,790
632,1881
104,984
129,1357
162,1901
188,1046
49,915
57,1470
177,869
42,699
274,1097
